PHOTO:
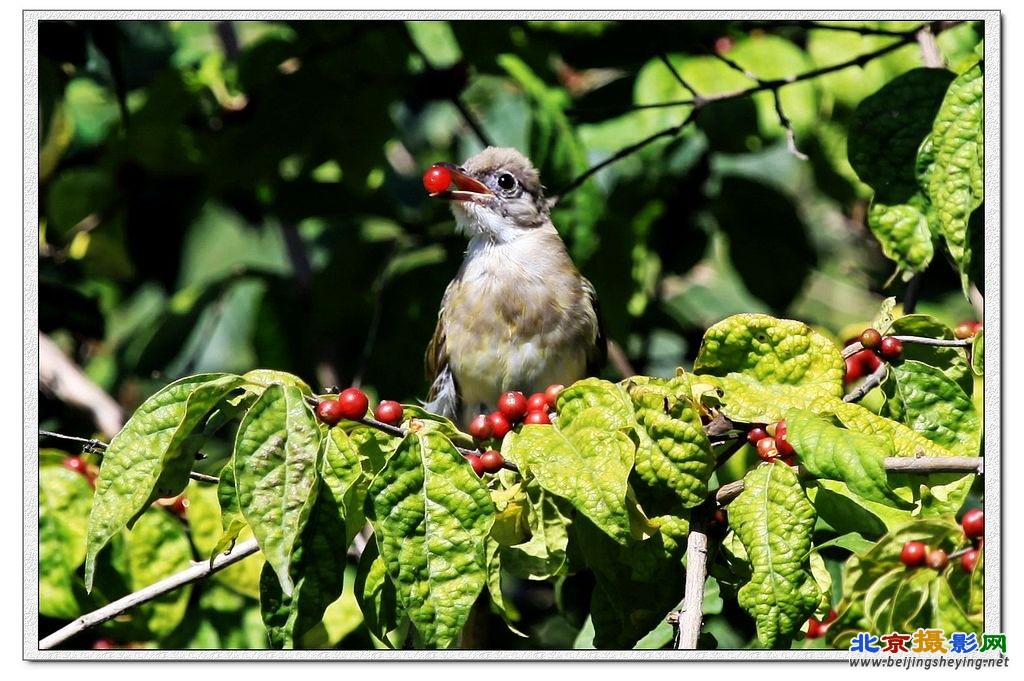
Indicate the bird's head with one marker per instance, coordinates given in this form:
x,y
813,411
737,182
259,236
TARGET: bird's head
x,y
498,196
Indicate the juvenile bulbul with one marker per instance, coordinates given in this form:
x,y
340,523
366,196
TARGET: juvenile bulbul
x,y
518,315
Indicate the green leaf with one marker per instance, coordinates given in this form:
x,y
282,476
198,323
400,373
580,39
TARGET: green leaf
x,y
588,466
956,184
264,378
158,547
674,451
318,572
64,500
494,586
978,354
951,360
888,128
344,473
767,366
904,233
936,407
894,602
548,519
851,541
375,593
856,459
211,538
774,520
276,457
431,515
151,457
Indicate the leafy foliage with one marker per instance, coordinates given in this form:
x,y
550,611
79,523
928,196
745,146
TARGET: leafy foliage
x,y
218,197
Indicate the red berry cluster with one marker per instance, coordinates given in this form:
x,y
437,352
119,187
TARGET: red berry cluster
x,y
352,404
876,348
967,329
915,554
514,408
771,442
817,628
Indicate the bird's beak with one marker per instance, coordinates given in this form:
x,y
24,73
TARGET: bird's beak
x,y
468,188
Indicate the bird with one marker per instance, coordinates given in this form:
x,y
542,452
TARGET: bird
x,y
518,315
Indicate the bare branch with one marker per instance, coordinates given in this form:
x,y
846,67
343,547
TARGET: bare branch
x,y
62,378
854,348
874,379
198,571
815,25
916,465
98,447
617,358
692,614
790,134
678,76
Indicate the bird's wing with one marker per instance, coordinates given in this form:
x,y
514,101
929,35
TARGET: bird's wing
x,y
443,395
598,355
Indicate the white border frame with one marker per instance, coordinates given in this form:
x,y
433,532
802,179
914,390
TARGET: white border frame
x,y
994,618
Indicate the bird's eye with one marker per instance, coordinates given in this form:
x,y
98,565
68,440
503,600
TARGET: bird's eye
x,y
506,181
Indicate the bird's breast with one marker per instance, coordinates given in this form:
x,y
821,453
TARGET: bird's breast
x,y
517,321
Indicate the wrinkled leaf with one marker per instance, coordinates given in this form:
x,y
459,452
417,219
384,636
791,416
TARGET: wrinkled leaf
x,y
431,515
543,555
151,456
64,500
158,547
767,366
674,451
375,593
276,455
774,520
956,184
935,406
855,459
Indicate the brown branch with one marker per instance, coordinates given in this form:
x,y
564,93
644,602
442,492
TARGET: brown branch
x,y
678,76
62,378
701,101
617,358
913,465
197,571
692,613
873,380
99,447
855,347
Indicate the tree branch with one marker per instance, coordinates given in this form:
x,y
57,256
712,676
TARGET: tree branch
x,y
874,379
692,614
855,347
98,447
701,101
198,571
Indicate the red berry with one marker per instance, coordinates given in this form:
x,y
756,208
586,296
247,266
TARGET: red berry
x,y
720,517
492,461
973,523
965,329
179,505
478,465
537,402
937,559
103,644
389,412
500,425
437,179
978,326
354,403
815,629
871,339
76,464
329,411
756,434
913,554
830,617
538,417
724,44
513,405
552,392
891,348
480,427
869,361
969,560
766,449
781,443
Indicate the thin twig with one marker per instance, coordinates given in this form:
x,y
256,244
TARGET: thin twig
x,y
873,380
698,103
912,293
98,447
198,571
814,25
678,76
790,133
856,346
617,358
